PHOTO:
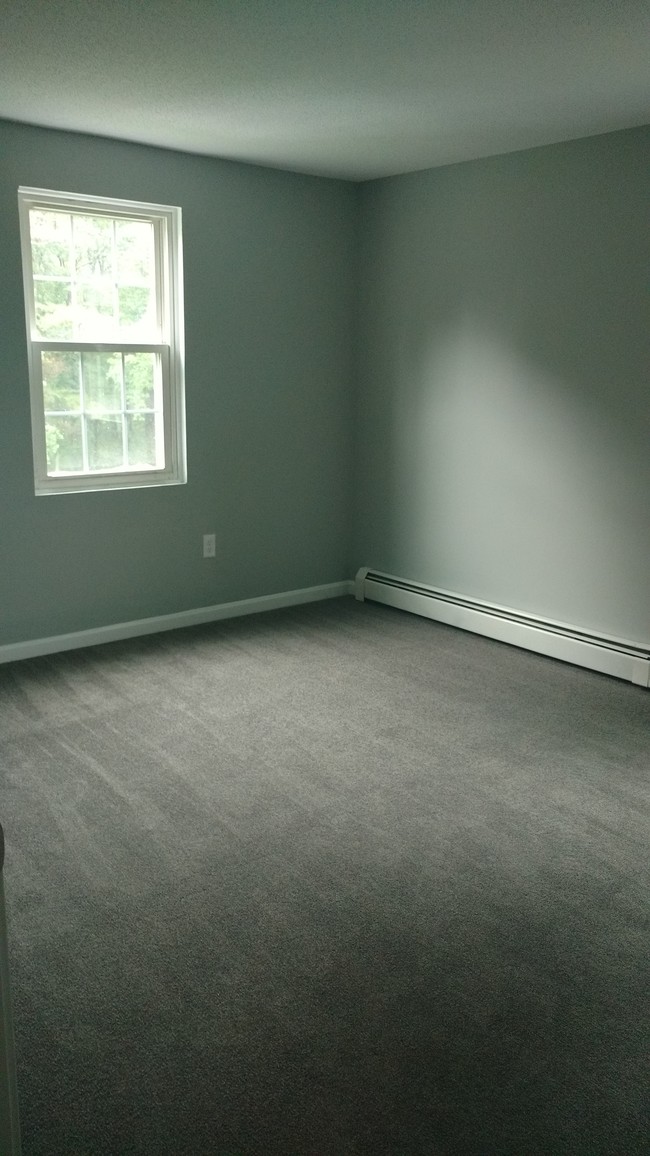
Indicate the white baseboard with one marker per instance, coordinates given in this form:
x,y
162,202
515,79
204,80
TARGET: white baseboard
x,y
118,631
603,653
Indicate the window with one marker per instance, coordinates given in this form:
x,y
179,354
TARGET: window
x,y
103,303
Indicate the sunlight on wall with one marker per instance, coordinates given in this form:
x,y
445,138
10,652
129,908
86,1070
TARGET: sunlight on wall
x,y
496,461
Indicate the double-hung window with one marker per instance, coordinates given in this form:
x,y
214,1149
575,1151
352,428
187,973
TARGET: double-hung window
x,y
104,310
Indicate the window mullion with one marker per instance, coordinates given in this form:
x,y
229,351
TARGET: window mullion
x,y
160,236
73,279
116,297
125,434
84,431
162,410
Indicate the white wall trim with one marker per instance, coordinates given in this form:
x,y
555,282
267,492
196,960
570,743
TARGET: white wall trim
x,y
604,653
13,651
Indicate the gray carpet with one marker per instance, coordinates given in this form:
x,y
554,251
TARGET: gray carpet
x,y
330,880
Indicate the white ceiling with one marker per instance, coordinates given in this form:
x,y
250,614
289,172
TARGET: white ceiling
x,y
342,88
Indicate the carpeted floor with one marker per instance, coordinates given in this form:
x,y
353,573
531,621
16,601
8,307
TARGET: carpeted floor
x,y
330,880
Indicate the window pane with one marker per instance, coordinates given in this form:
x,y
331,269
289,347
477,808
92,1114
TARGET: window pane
x,y
135,252
138,380
136,308
102,275
104,442
49,225
102,381
141,431
50,234
63,443
60,380
51,257
52,304
93,246
93,314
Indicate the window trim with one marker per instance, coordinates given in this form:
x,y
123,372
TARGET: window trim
x,y
166,220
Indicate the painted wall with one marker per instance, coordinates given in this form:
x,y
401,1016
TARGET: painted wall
x,y
268,280
499,312
503,422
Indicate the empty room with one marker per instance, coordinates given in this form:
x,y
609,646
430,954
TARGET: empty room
x,y
324,596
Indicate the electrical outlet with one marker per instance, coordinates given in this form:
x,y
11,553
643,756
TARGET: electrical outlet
x,y
209,545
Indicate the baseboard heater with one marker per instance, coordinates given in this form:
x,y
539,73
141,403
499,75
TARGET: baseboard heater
x,y
614,656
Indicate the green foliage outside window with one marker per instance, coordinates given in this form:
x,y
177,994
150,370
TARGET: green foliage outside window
x,y
103,295
113,394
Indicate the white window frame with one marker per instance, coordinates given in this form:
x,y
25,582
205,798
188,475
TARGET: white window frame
x,y
166,221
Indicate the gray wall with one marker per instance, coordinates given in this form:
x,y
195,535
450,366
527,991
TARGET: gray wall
x,y
268,262
499,313
503,422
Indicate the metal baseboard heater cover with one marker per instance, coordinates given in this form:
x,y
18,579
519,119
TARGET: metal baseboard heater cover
x,y
607,655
